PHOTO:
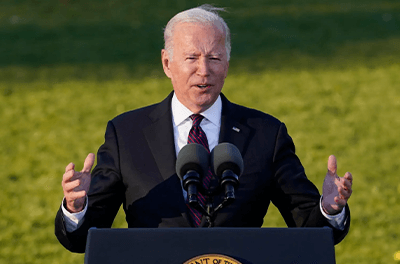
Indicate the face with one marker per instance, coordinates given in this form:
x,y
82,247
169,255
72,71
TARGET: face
x,y
199,65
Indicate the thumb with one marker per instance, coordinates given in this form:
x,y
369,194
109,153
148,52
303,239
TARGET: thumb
x,y
89,161
332,165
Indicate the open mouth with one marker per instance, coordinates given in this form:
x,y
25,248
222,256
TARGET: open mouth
x,y
203,86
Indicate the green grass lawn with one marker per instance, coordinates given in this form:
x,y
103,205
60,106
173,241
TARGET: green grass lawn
x,y
330,71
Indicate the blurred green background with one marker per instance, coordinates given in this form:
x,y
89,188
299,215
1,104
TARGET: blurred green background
x,y
329,69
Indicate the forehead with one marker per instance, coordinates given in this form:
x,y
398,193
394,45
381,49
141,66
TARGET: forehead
x,y
198,36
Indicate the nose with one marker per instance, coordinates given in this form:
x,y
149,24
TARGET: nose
x,y
203,67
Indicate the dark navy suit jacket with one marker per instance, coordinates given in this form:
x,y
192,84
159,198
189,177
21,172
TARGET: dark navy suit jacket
x,y
136,168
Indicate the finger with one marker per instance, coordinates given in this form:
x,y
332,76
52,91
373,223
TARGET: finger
x,y
340,202
332,165
69,167
73,196
68,176
344,193
89,161
77,195
70,186
343,182
346,184
349,177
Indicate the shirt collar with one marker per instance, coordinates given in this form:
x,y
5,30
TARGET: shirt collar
x,y
181,112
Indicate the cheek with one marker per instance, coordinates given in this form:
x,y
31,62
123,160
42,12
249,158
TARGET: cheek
x,y
220,69
184,72
222,74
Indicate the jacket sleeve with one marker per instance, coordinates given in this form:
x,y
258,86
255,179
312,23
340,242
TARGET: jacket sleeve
x,y
105,196
295,196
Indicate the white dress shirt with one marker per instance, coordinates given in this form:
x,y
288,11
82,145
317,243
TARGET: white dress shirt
x,y
182,123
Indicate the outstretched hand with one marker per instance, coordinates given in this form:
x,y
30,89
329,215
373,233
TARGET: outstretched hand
x,y
76,184
336,190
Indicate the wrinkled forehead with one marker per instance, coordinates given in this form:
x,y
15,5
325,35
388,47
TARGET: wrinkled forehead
x,y
201,37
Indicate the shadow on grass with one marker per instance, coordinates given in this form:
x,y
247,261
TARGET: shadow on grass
x,y
260,41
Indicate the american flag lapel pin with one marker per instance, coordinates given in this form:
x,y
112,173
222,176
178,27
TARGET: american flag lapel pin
x,y
236,129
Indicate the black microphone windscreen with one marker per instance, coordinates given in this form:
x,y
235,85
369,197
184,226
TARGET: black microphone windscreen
x,y
192,157
226,156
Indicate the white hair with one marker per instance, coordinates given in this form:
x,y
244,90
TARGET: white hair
x,y
204,14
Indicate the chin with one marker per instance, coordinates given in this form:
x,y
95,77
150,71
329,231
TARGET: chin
x,y
205,101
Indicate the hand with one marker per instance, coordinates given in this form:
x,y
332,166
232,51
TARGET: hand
x,y
336,191
76,184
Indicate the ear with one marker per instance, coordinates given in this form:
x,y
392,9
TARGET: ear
x,y
166,62
226,70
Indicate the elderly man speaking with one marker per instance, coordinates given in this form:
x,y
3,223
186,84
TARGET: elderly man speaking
x,y
136,164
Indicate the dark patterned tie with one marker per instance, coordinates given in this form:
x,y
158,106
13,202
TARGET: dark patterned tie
x,y
197,135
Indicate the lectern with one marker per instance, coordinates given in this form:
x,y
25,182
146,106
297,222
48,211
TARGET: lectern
x,y
178,245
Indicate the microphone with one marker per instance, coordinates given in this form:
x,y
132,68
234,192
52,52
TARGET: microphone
x,y
191,165
227,163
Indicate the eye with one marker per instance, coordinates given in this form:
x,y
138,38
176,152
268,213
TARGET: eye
x,y
190,58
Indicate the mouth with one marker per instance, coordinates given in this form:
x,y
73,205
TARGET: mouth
x,y
202,86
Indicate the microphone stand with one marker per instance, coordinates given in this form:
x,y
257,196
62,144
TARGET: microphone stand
x,y
210,211
229,181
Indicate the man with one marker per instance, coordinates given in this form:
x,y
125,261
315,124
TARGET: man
x,y
136,163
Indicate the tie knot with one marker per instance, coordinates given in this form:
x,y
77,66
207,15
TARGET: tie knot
x,y
196,119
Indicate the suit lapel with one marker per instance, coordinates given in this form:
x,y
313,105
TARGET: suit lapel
x,y
233,129
160,138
